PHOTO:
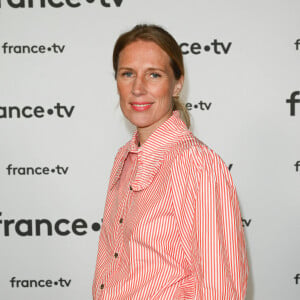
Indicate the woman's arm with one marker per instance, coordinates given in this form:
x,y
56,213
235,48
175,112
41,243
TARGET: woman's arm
x,y
209,216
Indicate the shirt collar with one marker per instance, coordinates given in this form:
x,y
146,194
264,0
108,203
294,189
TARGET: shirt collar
x,y
152,152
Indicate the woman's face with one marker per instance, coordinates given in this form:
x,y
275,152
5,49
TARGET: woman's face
x,y
146,84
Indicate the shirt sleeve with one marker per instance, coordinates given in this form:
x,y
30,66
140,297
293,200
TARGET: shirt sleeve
x,y
212,232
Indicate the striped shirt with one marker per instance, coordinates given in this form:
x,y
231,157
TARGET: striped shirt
x,y
172,226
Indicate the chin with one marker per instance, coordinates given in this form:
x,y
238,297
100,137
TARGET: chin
x,y
138,120
140,124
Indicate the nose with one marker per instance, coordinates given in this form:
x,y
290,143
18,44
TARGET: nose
x,y
138,86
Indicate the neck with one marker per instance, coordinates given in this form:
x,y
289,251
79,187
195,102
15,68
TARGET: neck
x,y
145,132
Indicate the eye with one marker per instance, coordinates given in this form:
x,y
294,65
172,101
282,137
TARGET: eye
x,y
127,74
154,75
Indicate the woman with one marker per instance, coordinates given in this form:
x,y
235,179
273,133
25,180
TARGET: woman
x,y
172,226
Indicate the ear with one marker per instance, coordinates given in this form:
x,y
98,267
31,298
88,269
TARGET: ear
x,y
178,86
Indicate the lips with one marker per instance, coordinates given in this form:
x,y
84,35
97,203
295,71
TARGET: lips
x,y
140,106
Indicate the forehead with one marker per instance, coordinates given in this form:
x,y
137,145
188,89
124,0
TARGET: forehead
x,y
143,52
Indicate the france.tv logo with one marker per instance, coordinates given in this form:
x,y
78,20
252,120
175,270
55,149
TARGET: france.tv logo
x,y
57,3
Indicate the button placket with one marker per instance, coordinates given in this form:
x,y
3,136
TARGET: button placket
x,y
115,260
121,220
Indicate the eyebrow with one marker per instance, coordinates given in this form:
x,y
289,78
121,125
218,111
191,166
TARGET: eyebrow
x,y
148,69
124,68
156,69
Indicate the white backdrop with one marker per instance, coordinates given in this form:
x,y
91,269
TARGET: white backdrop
x,y
236,90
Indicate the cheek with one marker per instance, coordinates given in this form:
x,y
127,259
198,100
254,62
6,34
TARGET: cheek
x,y
122,90
164,91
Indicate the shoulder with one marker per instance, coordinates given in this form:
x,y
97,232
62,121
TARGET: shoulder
x,y
196,157
123,150
193,151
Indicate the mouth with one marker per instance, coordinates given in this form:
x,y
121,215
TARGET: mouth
x,y
140,106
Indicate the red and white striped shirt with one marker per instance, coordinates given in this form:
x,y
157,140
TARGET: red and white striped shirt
x,y
172,225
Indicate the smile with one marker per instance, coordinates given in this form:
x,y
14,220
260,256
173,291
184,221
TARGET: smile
x,y
141,106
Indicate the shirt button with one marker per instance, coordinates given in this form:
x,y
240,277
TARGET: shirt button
x,y
121,221
102,286
116,255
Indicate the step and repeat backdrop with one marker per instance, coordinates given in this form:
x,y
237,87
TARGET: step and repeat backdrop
x,y
61,126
